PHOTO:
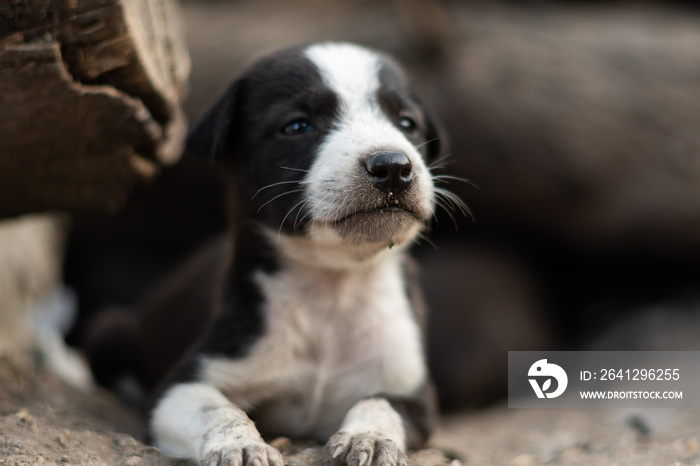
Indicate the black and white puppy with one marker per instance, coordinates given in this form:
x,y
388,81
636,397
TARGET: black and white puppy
x,y
318,327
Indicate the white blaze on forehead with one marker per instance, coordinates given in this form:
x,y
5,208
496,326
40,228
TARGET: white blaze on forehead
x,y
351,71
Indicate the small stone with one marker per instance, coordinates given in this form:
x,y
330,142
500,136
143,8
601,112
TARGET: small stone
x,y
23,415
40,460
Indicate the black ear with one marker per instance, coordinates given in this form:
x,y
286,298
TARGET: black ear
x,y
211,135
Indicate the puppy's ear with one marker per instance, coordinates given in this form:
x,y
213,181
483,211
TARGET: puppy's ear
x,y
210,137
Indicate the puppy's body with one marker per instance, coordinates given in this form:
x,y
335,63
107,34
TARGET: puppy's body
x,y
303,374
317,330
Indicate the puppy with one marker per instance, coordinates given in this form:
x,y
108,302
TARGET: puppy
x,y
317,331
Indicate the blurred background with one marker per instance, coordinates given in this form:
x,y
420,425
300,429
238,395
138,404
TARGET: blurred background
x,y
577,125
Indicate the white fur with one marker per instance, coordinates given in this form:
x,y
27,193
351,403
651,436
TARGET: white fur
x,y
178,422
194,420
333,337
375,415
363,129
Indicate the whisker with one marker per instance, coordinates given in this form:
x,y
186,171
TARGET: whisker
x,y
280,195
444,158
455,201
279,232
449,212
454,178
304,216
294,225
437,223
445,202
424,143
450,201
301,209
273,185
448,178
295,169
425,237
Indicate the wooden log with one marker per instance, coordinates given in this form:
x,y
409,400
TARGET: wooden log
x,y
90,94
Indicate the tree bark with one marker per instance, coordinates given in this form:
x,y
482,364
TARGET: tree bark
x,y
90,94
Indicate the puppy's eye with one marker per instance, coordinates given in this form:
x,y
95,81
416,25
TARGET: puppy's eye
x,y
407,124
299,126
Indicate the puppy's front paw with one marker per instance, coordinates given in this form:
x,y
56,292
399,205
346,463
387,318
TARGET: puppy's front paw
x,y
365,449
232,453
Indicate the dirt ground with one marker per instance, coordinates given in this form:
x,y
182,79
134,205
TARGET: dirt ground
x,y
44,421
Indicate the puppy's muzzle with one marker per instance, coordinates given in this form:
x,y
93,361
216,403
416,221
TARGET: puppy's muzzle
x,y
390,172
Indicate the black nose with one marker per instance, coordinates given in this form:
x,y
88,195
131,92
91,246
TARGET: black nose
x,y
390,172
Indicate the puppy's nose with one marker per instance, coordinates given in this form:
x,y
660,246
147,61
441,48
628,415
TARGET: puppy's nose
x,y
391,172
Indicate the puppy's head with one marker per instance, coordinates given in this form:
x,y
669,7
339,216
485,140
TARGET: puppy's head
x,y
327,146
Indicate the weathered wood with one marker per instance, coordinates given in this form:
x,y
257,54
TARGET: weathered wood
x,y
90,94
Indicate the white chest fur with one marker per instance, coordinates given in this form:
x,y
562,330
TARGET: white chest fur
x,y
331,339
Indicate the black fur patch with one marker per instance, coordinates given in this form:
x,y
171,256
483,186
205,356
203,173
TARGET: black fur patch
x,y
244,129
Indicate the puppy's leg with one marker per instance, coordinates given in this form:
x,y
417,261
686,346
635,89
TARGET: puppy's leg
x,y
195,420
376,432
